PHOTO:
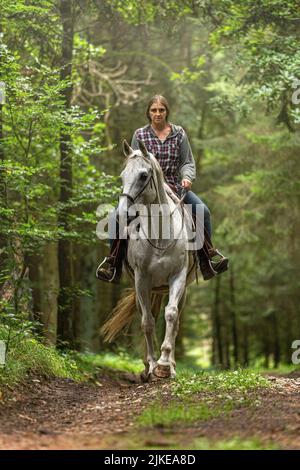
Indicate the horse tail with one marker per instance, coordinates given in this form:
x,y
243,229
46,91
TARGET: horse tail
x,y
121,316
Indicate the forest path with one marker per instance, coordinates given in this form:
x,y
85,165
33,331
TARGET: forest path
x,y
62,414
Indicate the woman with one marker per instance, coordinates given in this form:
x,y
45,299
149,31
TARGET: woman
x,y
170,145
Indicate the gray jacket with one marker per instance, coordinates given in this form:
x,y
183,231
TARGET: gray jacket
x,y
187,167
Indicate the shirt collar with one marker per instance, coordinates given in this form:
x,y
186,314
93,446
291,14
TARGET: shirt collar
x,y
174,130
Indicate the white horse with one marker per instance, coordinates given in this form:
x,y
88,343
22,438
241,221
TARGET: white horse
x,y
157,264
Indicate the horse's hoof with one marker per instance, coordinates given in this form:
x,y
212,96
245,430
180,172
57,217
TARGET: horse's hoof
x,y
163,372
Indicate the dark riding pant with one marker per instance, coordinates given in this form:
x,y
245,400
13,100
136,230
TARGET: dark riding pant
x,y
193,199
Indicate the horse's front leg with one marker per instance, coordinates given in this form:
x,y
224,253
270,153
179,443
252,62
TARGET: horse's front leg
x,y
143,293
166,363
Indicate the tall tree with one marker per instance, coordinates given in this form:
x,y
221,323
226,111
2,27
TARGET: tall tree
x,y
3,190
65,253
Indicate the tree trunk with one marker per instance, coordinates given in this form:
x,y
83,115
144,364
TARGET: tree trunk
x,y
245,347
3,200
200,152
65,300
288,327
227,364
276,345
87,324
266,350
217,325
233,319
43,273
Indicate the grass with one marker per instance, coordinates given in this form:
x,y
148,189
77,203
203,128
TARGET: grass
x,y
240,381
120,361
202,396
281,369
184,413
26,355
235,443
194,395
184,441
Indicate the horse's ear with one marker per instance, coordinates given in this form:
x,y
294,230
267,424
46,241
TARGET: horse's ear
x,y
143,149
126,148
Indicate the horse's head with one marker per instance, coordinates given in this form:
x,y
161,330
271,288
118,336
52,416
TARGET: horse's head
x,y
138,177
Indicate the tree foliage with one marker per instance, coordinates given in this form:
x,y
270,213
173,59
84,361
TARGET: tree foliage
x,y
230,71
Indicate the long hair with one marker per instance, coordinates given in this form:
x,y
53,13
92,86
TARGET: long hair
x,y
163,101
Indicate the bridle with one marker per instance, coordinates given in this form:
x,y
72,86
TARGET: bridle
x,y
133,199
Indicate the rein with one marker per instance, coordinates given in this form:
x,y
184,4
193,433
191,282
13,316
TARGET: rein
x,y
182,212
133,199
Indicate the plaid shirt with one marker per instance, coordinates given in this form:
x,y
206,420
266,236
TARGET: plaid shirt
x,y
173,154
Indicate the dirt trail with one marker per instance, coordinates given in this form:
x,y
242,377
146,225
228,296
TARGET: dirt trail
x,y
62,414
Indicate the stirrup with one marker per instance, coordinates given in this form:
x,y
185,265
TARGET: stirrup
x,y
221,265
101,264
215,252
212,268
211,273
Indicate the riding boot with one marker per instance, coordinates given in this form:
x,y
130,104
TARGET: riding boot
x,y
209,266
110,269
205,264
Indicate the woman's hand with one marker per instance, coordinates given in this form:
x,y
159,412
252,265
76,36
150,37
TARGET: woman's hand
x,y
187,184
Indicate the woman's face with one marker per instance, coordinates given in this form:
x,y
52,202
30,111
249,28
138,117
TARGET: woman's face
x,y
158,113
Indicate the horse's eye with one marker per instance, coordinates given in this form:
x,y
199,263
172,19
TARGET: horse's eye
x,y
144,176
